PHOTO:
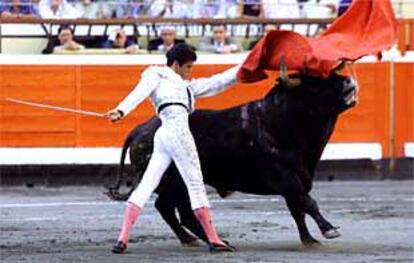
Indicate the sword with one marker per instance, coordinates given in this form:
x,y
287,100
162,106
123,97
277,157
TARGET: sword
x,y
52,107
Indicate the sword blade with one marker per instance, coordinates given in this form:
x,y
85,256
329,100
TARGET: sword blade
x,y
52,107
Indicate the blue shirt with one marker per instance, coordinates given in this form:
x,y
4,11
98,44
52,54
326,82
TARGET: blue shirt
x,y
25,7
110,44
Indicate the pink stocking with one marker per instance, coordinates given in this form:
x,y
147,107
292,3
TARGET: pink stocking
x,y
204,217
131,214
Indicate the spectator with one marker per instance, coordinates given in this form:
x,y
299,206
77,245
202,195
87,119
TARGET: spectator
x,y
167,40
139,8
120,9
88,9
132,8
230,8
343,6
57,9
320,8
207,8
169,9
17,8
220,42
215,9
114,9
281,9
63,42
266,30
251,8
107,9
118,39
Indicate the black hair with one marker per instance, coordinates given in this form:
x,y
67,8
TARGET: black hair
x,y
219,25
182,53
64,27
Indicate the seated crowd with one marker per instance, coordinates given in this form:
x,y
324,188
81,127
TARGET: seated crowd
x,y
217,40
97,9
220,42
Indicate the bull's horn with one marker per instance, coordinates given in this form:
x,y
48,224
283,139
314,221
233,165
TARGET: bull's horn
x,y
340,66
283,70
290,82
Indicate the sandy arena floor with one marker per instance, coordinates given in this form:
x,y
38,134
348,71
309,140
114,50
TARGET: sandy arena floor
x,y
79,224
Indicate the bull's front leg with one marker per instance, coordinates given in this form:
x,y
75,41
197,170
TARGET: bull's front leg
x,y
292,189
189,221
326,228
296,207
166,207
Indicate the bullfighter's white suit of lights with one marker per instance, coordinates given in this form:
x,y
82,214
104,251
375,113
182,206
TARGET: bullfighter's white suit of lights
x,y
173,140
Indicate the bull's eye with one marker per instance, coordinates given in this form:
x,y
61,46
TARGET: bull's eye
x,y
314,89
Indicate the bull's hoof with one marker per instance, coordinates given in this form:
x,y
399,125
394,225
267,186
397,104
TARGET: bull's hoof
x,y
311,243
331,233
191,243
219,248
224,193
116,196
119,247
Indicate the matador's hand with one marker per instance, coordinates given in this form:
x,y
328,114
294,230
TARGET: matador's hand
x,y
114,115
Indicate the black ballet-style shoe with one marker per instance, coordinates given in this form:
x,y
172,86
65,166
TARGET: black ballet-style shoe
x,y
218,248
119,247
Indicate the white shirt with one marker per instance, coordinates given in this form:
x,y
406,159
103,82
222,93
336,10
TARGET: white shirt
x,y
65,10
90,11
281,9
179,10
321,9
163,85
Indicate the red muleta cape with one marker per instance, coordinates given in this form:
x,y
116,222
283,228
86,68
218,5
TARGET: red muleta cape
x,y
368,27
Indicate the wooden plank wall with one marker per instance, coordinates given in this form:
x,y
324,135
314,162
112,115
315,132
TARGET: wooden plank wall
x,y
99,88
405,35
404,105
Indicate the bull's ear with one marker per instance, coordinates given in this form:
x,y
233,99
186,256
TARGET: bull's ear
x,y
341,66
289,82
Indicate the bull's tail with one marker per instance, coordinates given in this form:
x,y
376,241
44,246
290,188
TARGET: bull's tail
x,y
113,191
121,166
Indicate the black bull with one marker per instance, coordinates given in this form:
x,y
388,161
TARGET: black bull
x,y
269,146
